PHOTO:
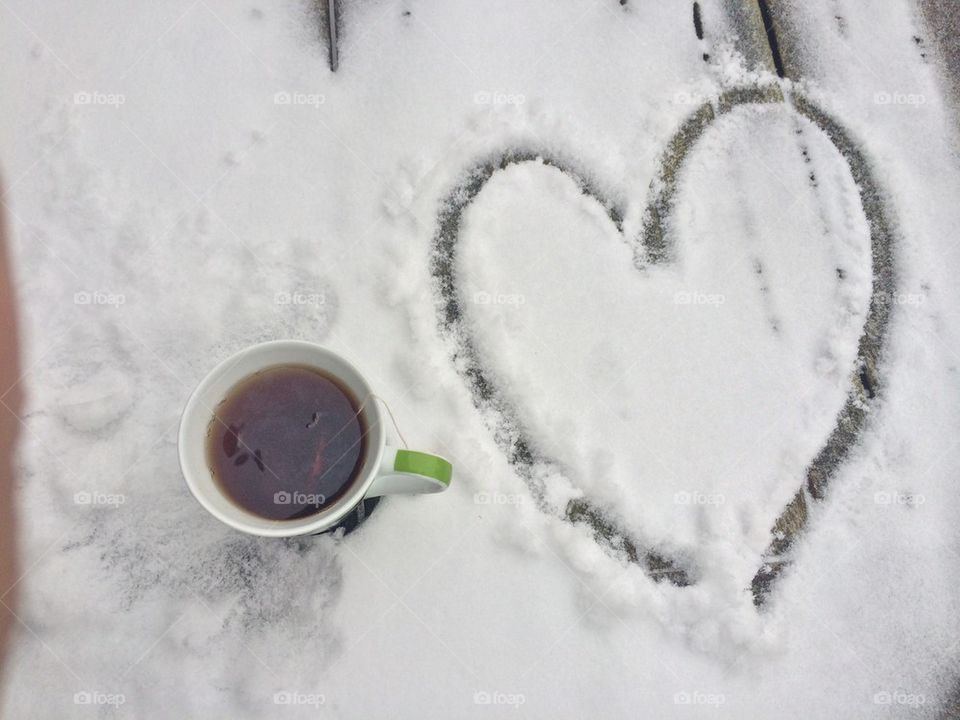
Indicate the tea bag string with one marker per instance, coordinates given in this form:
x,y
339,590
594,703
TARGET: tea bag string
x,y
396,426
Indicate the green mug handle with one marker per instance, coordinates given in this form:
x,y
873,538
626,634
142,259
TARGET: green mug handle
x,y
409,472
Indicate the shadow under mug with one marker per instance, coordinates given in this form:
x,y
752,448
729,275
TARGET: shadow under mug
x,y
385,470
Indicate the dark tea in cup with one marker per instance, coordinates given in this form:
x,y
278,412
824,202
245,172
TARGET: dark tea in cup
x,y
286,442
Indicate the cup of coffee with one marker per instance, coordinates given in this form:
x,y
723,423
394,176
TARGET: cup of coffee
x,y
287,438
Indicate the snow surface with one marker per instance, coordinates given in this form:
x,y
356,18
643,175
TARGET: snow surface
x,y
179,209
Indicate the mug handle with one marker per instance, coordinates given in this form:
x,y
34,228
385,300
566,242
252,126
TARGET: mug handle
x,y
409,472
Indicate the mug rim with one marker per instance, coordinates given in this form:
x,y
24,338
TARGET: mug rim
x,y
249,522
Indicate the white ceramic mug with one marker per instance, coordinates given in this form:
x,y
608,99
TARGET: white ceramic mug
x,y
385,470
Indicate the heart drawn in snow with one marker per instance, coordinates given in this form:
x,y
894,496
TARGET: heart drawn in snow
x,y
683,384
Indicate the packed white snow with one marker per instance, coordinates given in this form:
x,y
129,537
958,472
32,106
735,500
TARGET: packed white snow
x,y
185,178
